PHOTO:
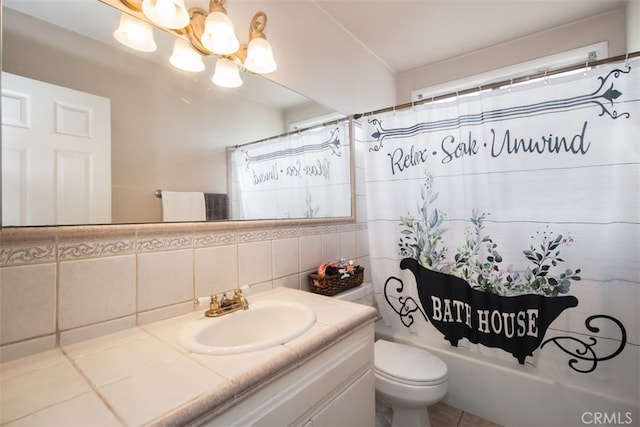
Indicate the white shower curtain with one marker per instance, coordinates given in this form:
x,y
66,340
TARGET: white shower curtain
x,y
526,190
301,175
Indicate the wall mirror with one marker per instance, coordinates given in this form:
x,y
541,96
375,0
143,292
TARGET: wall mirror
x,y
169,130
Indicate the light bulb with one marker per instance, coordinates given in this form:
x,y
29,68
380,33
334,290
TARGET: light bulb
x,y
166,13
260,56
135,34
185,58
219,35
165,9
226,74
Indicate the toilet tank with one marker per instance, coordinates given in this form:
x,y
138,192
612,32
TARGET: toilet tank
x,y
362,294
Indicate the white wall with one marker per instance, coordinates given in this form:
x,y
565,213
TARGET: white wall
x,y
609,27
633,26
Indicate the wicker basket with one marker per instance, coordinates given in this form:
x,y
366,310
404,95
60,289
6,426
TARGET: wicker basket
x,y
330,285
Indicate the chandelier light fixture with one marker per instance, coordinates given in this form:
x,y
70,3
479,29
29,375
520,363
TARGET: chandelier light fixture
x,y
199,32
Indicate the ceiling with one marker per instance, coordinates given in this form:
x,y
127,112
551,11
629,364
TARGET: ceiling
x,y
408,34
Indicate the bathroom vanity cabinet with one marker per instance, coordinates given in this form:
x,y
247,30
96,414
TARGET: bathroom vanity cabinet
x,y
336,387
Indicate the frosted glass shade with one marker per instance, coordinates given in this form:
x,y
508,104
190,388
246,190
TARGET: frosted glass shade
x,y
219,35
135,34
260,56
166,13
185,58
226,74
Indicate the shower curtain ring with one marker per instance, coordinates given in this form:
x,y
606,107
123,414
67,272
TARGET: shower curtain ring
x,y
586,66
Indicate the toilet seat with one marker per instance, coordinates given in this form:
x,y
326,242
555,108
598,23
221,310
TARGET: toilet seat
x,y
408,365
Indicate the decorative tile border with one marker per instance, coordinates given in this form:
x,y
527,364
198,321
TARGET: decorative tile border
x,y
254,235
312,231
285,233
344,228
21,255
29,245
203,240
324,229
80,250
164,243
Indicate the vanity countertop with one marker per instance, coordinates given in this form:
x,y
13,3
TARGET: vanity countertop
x,y
141,376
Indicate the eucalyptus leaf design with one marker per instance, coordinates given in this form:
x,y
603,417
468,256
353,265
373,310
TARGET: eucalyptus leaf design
x,y
478,260
479,263
421,237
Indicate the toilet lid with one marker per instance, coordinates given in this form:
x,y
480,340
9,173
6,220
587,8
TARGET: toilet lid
x,y
408,364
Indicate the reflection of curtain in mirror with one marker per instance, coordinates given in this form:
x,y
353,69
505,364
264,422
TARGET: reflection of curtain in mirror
x,y
301,175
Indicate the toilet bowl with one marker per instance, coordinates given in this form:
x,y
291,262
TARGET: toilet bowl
x,y
407,379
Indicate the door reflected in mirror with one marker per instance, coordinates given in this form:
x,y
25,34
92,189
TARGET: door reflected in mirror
x,y
169,129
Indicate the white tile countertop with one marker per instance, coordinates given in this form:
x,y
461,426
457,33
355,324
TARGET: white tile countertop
x,y
141,376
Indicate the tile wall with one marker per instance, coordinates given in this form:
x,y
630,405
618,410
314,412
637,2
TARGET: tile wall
x,y
59,285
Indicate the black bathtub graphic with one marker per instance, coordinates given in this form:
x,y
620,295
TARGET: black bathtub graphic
x,y
517,324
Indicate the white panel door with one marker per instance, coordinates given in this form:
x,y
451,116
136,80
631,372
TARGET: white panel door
x,y
56,154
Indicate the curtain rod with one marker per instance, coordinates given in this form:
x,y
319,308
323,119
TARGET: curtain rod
x,y
500,84
336,121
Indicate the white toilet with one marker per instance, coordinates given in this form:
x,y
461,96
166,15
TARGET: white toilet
x,y
408,379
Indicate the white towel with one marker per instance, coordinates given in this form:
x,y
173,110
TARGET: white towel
x,y
183,206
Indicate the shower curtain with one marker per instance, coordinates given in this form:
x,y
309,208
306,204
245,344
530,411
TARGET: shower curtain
x,y
507,223
300,175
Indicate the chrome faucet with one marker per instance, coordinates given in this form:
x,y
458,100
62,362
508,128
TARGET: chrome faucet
x,y
226,305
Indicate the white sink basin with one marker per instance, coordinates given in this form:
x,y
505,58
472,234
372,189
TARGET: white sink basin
x,y
264,324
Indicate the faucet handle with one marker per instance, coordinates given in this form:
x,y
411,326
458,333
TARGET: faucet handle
x,y
211,300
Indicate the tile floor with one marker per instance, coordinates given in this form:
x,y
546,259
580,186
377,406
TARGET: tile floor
x,y
441,415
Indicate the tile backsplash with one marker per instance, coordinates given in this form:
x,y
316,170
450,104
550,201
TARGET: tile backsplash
x,y
60,285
